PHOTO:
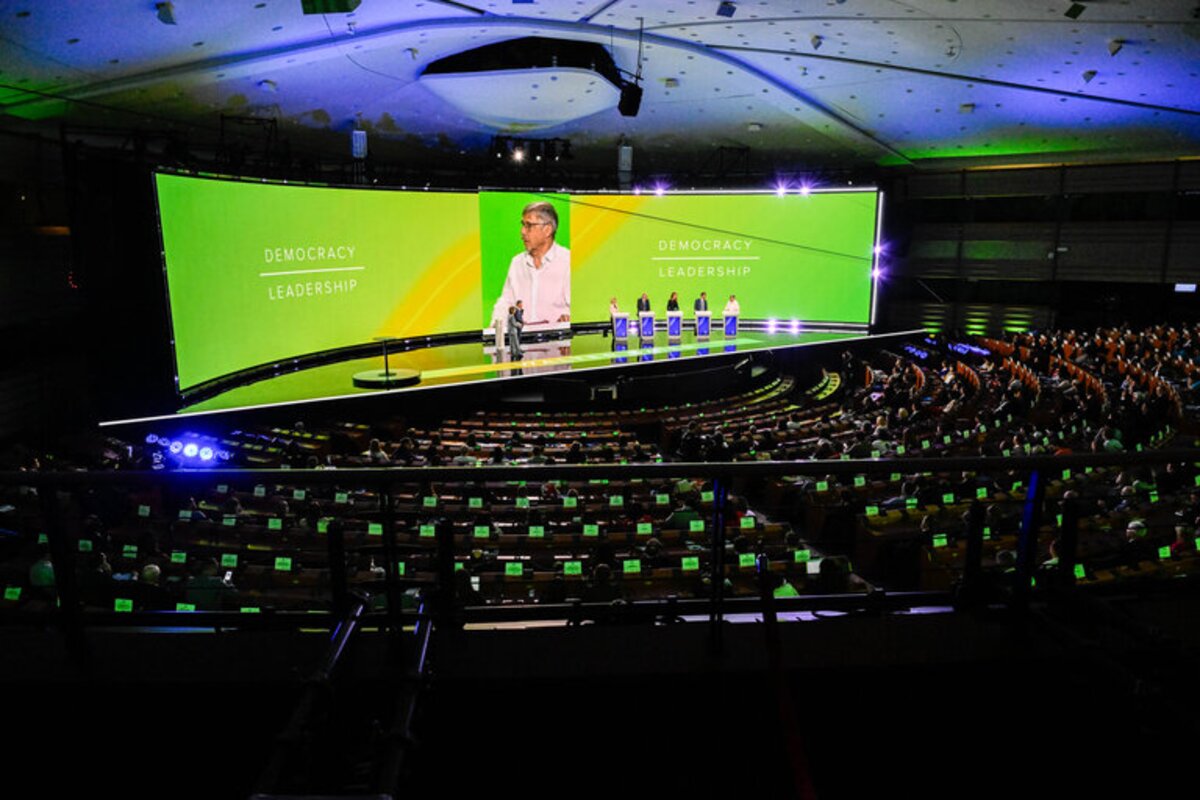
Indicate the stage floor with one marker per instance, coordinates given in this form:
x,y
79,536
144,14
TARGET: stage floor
x,y
465,363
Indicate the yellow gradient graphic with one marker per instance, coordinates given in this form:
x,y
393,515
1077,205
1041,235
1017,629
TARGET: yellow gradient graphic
x,y
438,294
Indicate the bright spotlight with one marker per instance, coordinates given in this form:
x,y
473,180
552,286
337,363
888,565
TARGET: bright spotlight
x,y
877,273
176,447
190,450
781,189
660,189
518,155
206,454
771,325
878,249
795,326
151,438
805,190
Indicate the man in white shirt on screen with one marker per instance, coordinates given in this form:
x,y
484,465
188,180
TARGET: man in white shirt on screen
x,y
732,309
540,275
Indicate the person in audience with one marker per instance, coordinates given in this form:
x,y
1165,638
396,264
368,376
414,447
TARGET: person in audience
x,y
41,575
601,588
574,454
375,453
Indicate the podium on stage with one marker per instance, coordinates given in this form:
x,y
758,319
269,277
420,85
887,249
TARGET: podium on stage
x,y
731,324
620,325
646,324
674,325
703,324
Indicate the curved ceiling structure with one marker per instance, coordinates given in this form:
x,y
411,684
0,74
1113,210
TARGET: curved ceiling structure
x,y
845,82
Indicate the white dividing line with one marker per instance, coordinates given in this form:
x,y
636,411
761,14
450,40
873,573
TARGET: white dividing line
x,y
309,271
705,258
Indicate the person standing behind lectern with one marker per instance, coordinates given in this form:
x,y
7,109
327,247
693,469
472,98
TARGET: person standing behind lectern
x,y
643,303
515,324
701,303
673,302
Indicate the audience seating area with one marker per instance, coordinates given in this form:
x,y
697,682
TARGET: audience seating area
x,y
258,544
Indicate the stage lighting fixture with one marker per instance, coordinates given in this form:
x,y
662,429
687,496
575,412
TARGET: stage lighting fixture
x,y
151,438
358,143
795,326
781,189
206,454
631,99
190,450
877,273
660,190
805,190
726,8
771,325
518,155
165,13
176,447
1075,10
878,249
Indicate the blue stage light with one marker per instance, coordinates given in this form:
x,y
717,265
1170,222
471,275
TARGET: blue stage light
x,y
805,190
660,189
878,249
190,450
206,454
781,189
877,273
176,447
151,438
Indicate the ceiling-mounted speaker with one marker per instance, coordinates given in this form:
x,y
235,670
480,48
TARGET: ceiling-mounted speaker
x,y
329,6
631,99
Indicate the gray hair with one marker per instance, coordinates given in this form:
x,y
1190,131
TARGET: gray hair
x,y
546,212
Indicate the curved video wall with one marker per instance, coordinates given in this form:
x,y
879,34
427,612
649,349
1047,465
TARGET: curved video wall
x,y
261,272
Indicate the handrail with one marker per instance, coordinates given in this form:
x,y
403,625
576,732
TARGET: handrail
x,y
387,475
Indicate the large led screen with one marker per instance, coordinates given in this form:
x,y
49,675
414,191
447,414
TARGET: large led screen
x,y
805,257
261,272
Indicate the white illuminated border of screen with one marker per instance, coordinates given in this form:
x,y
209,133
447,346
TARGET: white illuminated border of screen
x,y
875,250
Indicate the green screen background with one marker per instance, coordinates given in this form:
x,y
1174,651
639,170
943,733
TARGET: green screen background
x,y
809,257
429,263
419,253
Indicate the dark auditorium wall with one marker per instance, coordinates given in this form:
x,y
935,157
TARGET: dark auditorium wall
x,y
40,292
985,249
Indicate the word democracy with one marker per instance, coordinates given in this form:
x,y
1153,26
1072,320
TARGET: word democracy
x,y
340,252
704,245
